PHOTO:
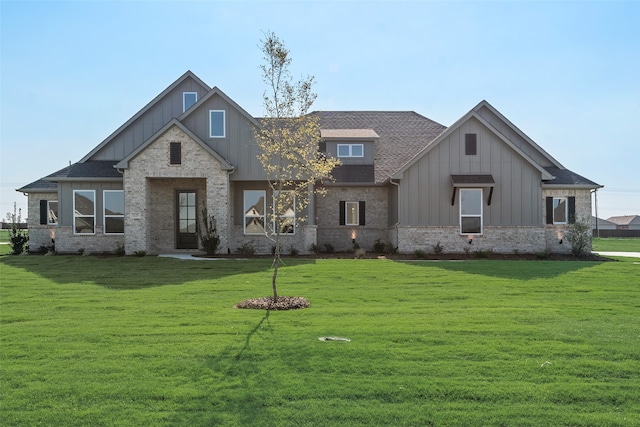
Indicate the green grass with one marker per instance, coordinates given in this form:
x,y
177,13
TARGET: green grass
x,y
629,244
156,341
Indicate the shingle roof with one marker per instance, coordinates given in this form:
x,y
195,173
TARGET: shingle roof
x,y
623,220
39,185
88,169
402,134
567,177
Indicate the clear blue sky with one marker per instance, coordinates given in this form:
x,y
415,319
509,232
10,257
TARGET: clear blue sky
x,y
566,73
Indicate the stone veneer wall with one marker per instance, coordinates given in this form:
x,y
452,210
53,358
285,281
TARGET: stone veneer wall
x,y
89,243
341,236
301,241
554,233
497,239
153,162
40,235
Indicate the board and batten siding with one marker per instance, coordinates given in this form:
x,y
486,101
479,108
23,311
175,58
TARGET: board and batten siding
x,y
514,137
424,195
152,120
238,146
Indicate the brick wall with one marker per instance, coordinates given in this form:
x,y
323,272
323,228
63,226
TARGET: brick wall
x,y
95,243
555,233
40,235
149,211
341,236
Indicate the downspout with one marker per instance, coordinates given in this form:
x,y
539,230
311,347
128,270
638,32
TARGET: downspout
x,y
229,219
397,210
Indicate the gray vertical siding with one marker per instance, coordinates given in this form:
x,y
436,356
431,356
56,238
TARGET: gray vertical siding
x,y
149,122
238,146
514,137
424,197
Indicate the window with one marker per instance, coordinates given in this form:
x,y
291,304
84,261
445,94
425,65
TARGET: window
x,y
48,212
286,212
216,124
188,99
254,211
175,153
470,144
470,211
113,211
352,213
84,211
559,210
52,212
350,150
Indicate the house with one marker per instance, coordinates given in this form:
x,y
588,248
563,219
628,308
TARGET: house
x,y
602,224
404,180
626,222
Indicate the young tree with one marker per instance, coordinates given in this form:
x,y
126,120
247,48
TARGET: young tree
x,y
289,140
18,238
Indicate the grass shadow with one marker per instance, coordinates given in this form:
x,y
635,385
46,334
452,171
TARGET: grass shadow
x,y
123,273
514,270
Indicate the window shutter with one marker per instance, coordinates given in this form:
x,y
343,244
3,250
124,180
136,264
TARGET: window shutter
x,y
549,210
572,210
44,212
175,153
361,213
342,212
322,147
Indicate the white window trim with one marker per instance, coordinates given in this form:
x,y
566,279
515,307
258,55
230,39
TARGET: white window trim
x,y
104,212
284,216
49,210
350,150
75,215
184,100
224,124
244,213
474,215
566,210
346,213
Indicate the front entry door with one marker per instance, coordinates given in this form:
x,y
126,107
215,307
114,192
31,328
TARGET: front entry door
x,y
186,220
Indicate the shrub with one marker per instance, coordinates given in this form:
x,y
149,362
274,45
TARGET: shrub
x,y
293,251
579,235
140,253
378,246
313,248
438,249
119,251
18,238
328,248
419,253
209,233
246,249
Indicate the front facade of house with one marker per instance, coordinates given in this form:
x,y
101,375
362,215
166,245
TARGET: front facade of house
x,y
404,180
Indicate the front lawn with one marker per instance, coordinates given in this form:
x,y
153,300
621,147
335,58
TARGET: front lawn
x,y
154,341
613,244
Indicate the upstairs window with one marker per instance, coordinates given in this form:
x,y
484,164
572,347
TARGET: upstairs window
x,y
254,211
470,211
84,211
350,150
175,153
470,144
216,124
113,211
188,99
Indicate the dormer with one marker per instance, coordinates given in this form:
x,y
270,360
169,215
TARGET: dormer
x,y
355,148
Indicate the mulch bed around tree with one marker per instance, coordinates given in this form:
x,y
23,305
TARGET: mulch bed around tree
x,y
267,303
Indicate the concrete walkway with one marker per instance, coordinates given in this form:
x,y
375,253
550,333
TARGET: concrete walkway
x,y
623,254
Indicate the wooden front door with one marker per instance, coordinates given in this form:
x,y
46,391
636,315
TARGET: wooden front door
x,y
186,220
